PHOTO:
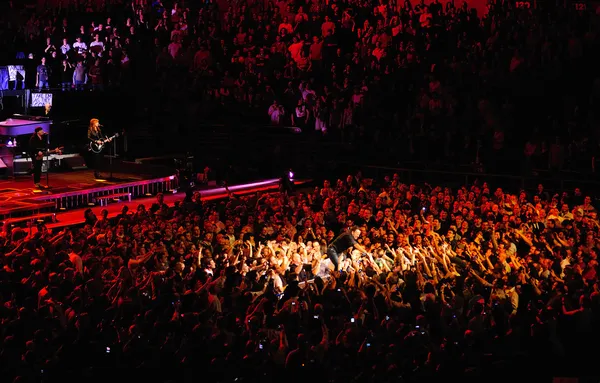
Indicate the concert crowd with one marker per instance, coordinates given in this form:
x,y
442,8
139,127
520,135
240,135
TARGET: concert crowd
x,y
476,283
454,84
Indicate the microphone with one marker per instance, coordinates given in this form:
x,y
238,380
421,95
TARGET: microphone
x,y
100,125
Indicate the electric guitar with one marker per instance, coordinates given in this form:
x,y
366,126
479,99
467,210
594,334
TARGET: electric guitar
x,y
53,151
98,145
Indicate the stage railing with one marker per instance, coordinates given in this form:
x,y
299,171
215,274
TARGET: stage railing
x,y
93,197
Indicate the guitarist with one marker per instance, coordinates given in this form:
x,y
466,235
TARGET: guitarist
x,y
37,150
96,136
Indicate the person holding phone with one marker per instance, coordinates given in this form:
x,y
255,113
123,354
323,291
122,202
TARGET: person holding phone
x,y
344,242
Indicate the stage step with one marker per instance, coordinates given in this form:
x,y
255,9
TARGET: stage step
x,y
103,200
25,207
34,220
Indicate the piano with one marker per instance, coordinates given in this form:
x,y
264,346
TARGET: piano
x,y
20,124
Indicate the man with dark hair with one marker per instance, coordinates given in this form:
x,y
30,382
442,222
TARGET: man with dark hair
x,y
42,75
37,150
343,242
37,147
159,207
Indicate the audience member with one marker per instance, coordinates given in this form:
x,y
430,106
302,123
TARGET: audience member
x,y
426,284
447,84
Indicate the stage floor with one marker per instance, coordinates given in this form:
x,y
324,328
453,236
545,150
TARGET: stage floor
x,y
19,197
72,192
22,186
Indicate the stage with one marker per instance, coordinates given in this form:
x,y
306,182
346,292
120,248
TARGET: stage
x,y
209,193
19,198
70,193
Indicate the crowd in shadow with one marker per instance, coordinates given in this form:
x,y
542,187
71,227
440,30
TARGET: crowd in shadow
x,y
428,82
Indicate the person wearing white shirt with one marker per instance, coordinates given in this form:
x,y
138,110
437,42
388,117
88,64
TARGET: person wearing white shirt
x,y
76,261
174,48
300,117
325,268
276,112
80,46
97,45
306,91
277,282
65,47
513,296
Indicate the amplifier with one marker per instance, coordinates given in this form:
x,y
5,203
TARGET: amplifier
x,y
57,161
74,163
23,166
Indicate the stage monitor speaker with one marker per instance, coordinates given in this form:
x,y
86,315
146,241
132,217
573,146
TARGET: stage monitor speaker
x,y
22,166
74,163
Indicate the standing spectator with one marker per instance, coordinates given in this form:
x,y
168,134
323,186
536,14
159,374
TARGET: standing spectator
x,y
316,54
308,94
300,115
202,58
66,75
321,113
276,113
174,48
80,76
54,64
96,74
295,48
97,46
80,46
328,27
164,62
285,25
42,75
49,46
65,48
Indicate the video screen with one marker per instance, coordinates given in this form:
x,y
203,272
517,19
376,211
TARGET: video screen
x,y
41,100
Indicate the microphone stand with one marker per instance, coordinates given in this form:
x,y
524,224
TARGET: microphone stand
x,y
113,149
112,154
47,154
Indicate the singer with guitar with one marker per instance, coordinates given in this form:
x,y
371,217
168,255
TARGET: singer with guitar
x,y
96,143
38,148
